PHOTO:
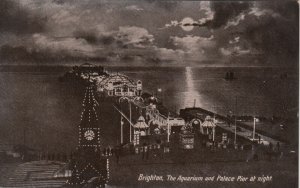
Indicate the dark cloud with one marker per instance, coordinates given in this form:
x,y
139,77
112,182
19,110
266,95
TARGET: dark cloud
x,y
60,2
224,11
274,37
154,60
286,8
127,58
167,5
277,36
13,53
16,53
14,18
267,33
92,38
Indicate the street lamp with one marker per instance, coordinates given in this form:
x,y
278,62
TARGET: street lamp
x,y
235,111
254,121
153,98
159,90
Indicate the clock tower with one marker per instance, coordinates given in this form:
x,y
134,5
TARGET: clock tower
x,y
89,127
88,165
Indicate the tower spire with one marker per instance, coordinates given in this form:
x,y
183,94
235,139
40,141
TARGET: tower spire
x,y
89,116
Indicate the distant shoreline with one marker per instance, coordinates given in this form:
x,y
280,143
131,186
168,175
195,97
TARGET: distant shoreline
x,y
62,68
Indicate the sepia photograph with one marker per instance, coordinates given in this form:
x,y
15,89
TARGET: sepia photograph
x,y
149,93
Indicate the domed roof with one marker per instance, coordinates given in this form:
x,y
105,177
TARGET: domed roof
x,y
141,119
87,65
117,79
141,124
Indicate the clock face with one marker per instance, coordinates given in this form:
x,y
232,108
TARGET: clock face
x,y
89,135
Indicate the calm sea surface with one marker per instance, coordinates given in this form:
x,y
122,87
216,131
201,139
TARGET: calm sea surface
x,y
37,104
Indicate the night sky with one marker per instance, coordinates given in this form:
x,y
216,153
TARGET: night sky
x,y
149,32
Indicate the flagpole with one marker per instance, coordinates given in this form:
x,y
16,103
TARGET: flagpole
x,y
213,134
122,129
168,124
235,112
253,128
130,121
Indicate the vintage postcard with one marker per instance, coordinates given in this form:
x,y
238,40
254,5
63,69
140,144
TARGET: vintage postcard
x,y
149,93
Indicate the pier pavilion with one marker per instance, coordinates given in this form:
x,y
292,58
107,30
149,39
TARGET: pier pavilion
x,y
208,127
119,85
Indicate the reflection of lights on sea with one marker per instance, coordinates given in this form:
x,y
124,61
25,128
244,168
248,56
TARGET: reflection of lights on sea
x,y
191,92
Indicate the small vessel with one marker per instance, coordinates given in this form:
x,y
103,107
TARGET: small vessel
x,y
230,76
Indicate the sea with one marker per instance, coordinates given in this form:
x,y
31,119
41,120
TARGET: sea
x,y
42,112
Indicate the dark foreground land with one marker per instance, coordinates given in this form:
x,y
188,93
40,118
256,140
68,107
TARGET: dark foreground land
x,y
217,168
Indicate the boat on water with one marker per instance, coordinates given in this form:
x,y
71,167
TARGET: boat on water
x,y
230,76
